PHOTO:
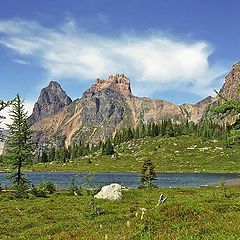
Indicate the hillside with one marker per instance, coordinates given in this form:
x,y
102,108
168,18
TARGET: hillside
x,y
176,154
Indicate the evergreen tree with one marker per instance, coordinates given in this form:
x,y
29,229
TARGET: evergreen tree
x,y
44,156
74,151
107,148
148,174
19,145
52,154
142,130
130,133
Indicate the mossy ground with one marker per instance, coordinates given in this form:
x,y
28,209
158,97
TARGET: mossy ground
x,y
178,154
212,213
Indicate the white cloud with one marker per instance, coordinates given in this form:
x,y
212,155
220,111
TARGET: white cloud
x,y
153,63
20,61
28,106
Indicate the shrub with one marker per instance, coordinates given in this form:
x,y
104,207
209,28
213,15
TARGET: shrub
x,y
21,190
49,187
43,189
73,188
35,191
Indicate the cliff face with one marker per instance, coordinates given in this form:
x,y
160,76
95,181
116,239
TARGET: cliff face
x,y
195,112
231,87
98,114
51,100
229,90
108,106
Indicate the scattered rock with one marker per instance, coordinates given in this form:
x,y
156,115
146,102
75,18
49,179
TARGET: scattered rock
x,y
111,192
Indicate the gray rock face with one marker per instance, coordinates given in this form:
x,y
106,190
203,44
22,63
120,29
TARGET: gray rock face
x,y
102,111
105,108
111,192
230,89
108,106
51,100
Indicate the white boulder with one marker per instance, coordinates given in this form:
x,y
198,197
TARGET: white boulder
x,y
110,192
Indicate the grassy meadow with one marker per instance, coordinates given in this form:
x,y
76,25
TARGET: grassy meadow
x,y
211,213
206,213
177,154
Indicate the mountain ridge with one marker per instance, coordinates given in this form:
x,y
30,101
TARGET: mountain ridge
x,y
109,105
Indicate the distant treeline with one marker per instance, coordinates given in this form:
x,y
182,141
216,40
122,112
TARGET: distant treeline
x,y
165,128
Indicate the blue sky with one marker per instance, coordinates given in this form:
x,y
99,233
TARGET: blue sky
x,y
176,50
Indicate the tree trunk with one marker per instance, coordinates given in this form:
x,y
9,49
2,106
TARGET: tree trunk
x,y
19,172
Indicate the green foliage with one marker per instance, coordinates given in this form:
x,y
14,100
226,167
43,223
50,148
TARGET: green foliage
x,y
37,192
107,147
148,174
228,107
73,187
177,154
145,231
18,176
233,137
43,190
44,157
168,128
188,214
165,128
49,187
19,145
91,208
52,154
21,190
225,109
64,154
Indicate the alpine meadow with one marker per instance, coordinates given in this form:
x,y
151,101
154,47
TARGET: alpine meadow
x,y
119,120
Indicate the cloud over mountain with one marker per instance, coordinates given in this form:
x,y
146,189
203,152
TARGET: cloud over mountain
x,y
154,61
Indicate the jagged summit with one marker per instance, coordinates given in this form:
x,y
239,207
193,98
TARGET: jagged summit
x,y
108,105
52,99
118,82
54,86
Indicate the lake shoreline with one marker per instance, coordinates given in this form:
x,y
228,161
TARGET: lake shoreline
x,y
225,183
92,171
130,179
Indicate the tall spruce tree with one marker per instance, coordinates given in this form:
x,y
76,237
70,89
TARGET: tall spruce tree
x,y
19,145
107,148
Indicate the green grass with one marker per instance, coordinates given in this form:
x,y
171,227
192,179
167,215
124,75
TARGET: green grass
x,y
180,154
187,214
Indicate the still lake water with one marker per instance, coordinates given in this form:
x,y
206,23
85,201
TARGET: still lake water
x,y
164,180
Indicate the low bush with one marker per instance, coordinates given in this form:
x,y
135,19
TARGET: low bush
x,y
43,190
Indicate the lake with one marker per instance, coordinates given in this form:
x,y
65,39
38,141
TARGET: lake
x,y
164,180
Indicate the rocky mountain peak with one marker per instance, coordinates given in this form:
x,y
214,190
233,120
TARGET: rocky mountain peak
x,y
51,100
231,87
118,82
109,106
54,86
